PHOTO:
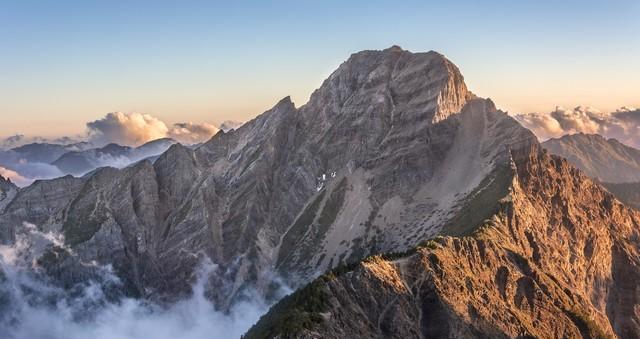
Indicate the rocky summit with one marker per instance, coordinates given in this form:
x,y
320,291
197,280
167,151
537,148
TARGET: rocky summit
x,y
435,214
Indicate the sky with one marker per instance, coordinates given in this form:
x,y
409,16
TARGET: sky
x,y
66,63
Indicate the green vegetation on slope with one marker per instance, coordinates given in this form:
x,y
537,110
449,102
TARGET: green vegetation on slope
x,y
294,313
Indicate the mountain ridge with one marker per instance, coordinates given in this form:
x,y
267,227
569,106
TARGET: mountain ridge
x,y
606,160
509,278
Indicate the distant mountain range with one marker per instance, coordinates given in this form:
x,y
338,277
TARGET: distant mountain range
x,y
114,155
606,160
615,165
48,160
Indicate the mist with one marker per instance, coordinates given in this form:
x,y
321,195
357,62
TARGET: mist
x,y
32,307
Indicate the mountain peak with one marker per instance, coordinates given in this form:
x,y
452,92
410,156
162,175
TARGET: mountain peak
x,y
395,48
423,86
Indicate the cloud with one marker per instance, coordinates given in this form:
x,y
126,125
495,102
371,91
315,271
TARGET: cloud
x,y
129,129
18,140
623,124
12,141
33,308
14,176
23,172
133,129
192,133
228,125
31,163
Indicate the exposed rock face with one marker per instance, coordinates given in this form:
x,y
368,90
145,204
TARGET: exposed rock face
x,y
7,192
606,160
390,150
558,258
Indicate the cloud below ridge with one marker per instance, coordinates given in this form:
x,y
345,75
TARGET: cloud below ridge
x,y
39,309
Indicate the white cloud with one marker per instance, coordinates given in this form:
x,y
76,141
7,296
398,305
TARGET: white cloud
x,y
623,124
134,129
192,133
18,140
129,129
41,310
228,125
14,176
22,172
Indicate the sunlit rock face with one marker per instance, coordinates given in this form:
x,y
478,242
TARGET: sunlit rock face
x,y
392,149
557,257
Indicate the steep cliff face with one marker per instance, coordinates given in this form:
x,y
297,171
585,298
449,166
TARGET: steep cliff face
x,y
558,258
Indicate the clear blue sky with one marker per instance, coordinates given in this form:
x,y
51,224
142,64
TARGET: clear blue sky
x,y
63,63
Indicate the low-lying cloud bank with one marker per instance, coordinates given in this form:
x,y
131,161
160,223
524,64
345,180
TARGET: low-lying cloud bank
x,y
14,176
23,172
33,308
623,124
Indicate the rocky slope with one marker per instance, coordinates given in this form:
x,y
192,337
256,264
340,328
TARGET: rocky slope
x,y
7,192
390,150
606,160
557,258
